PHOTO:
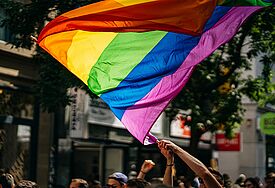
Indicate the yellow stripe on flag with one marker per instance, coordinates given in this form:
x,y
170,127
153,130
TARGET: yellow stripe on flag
x,y
85,50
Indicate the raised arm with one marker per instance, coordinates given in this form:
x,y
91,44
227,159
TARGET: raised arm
x,y
145,168
169,155
197,166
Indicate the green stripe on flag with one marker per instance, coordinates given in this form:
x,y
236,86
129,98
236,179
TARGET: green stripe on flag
x,y
120,57
245,3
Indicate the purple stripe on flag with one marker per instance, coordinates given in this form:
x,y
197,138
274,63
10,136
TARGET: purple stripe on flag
x,y
219,34
140,117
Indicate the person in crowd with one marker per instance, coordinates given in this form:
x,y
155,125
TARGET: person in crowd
x,y
2,171
26,184
207,179
145,168
156,181
162,186
132,173
258,179
269,180
6,180
117,180
217,175
137,183
195,183
251,183
239,181
181,181
185,182
94,184
78,183
227,181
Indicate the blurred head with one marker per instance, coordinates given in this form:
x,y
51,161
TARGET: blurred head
x,y
240,180
270,180
2,171
156,181
117,180
227,181
6,180
162,186
26,184
95,184
251,183
216,174
78,183
137,183
195,182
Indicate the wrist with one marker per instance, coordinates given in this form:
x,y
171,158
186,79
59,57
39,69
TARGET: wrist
x,y
170,164
143,172
170,161
177,150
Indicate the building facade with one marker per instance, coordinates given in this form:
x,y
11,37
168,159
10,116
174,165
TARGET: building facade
x,y
256,154
18,110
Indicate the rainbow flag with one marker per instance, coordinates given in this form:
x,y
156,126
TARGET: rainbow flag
x,y
138,54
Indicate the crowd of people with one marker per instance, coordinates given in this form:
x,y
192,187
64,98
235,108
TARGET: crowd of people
x,y
204,177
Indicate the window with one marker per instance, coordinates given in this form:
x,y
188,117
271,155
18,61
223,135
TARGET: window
x,y
4,32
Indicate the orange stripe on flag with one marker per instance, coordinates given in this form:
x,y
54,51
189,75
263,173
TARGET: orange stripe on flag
x,y
54,43
188,16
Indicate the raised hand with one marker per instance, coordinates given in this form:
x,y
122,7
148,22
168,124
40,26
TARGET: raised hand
x,y
168,154
168,145
147,166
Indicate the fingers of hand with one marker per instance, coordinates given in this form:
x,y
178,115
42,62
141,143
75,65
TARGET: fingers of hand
x,y
150,162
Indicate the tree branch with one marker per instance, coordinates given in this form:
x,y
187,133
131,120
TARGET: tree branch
x,y
237,58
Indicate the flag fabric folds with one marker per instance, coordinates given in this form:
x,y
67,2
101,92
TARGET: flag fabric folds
x,y
138,54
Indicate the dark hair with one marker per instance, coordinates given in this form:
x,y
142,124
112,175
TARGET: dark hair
x,y
6,180
81,183
162,186
156,180
270,175
2,171
240,181
217,175
138,183
253,181
95,182
26,184
227,181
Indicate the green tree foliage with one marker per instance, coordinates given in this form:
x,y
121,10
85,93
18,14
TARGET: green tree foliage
x,y
24,20
215,90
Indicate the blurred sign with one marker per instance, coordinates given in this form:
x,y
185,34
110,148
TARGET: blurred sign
x,y
52,172
24,133
267,123
179,128
78,123
100,113
224,144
